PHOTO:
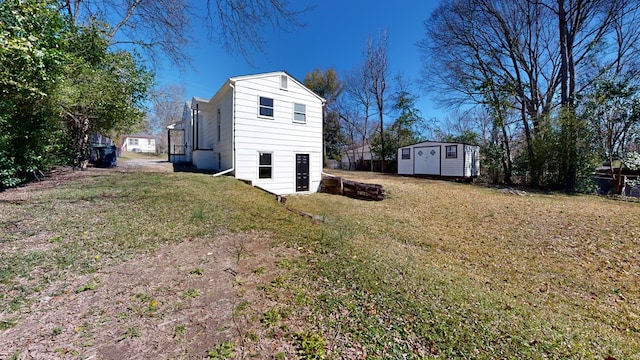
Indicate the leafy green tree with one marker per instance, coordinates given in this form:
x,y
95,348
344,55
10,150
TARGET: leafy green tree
x,y
30,72
405,129
103,92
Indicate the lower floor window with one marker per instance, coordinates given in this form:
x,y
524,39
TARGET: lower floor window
x,y
265,165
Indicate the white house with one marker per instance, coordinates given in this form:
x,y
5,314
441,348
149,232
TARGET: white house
x,y
138,143
263,128
357,156
442,159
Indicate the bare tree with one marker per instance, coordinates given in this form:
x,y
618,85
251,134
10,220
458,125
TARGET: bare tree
x,y
168,105
354,108
525,54
166,26
377,71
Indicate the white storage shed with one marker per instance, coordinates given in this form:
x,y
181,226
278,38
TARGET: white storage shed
x,y
440,159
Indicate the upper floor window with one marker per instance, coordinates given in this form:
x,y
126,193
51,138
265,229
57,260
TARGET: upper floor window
x,y
219,123
266,107
133,142
283,82
452,151
299,113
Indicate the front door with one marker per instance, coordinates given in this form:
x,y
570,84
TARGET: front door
x,y
302,172
427,160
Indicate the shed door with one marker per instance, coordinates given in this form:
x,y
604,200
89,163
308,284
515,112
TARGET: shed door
x,y
302,172
427,160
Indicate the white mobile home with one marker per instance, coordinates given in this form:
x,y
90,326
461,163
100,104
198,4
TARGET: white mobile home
x,y
138,143
263,128
440,159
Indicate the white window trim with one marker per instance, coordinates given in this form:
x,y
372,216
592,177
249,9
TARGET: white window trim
x,y
304,113
446,150
258,178
273,108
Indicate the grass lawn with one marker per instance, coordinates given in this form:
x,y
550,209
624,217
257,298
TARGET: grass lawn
x,y
437,270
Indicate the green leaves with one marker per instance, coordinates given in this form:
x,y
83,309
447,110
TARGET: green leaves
x,y
59,83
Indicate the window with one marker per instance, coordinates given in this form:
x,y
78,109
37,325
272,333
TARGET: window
x,y
299,113
149,142
133,142
283,82
219,122
406,154
266,107
452,151
264,165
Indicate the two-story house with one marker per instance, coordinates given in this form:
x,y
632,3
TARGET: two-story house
x,y
263,128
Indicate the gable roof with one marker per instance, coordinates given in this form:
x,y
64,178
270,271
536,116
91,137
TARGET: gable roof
x,y
274,73
232,80
139,136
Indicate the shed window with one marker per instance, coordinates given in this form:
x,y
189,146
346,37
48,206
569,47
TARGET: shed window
x,y
452,151
406,154
264,166
283,82
299,113
266,107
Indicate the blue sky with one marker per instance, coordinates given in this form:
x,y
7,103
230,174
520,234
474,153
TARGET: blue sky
x,y
335,35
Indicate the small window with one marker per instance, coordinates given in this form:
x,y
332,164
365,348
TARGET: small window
x,y
219,123
266,107
264,166
133,142
452,151
149,142
299,113
283,82
406,154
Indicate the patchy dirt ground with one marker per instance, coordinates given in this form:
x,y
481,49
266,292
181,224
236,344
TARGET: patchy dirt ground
x,y
180,302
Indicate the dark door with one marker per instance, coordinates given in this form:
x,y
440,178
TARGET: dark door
x,y
302,172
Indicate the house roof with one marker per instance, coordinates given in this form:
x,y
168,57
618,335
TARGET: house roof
x,y
436,142
234,79
139,136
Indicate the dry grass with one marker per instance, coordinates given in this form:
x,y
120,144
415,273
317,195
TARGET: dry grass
x,y
541,275
437,270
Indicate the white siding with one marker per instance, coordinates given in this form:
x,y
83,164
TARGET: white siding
x,y
280,136
144,144
225,145
405,166
452,166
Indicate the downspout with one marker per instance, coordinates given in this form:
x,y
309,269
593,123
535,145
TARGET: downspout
x,y
233,128
222,172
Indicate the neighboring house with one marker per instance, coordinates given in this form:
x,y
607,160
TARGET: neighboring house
x,y
180,137
357,157
441,159
138,143
265,129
